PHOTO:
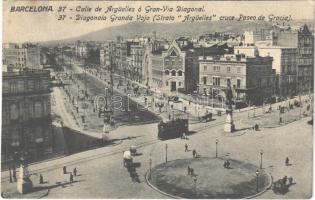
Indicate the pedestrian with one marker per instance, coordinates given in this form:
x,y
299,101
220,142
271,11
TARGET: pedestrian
x,y
71,178
64,170
41,179
186,147
227,164
75,171
287,161
188,170
191,171
194,153
224,164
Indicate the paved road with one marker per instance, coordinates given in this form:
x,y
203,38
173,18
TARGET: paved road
x,y
103,176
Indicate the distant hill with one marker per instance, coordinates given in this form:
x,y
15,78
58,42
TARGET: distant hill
x,y
171,30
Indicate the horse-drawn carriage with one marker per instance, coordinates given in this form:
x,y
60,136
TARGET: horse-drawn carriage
x,y
279,187
207,117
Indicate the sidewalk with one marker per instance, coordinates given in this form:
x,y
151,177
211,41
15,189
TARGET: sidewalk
x,y
202,109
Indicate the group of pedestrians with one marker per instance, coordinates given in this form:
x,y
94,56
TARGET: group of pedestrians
x,y
194,152
64,169
72,174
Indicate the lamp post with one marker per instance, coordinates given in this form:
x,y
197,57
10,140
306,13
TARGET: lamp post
x,y
10,173
195,181
166,153
261,154
257,174
150,165
212,96
216,147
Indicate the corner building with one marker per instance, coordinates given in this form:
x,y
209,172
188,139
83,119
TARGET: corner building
x,y
26,113
249,76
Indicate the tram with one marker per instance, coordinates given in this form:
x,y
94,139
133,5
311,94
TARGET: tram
x,y
172,129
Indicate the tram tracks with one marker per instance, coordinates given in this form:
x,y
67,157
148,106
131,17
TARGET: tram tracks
x,y
105,154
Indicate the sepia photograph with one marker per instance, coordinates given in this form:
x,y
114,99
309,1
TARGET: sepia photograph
x,y
105,99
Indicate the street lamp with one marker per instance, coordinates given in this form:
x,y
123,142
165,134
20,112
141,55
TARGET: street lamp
x,y
150,164
195,181
257,174
166,153
216,147
261,154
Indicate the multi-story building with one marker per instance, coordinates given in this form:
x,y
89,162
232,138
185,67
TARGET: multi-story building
x,y
102,56
168,68
33,57
305,60
192,62
136,54
19,56
249,76
284,64
81,50
109,54
26,113
14,56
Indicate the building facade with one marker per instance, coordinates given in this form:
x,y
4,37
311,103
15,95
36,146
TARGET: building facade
x,y
20,56
249,76
285,65
33,57
168,68
26,113
305,60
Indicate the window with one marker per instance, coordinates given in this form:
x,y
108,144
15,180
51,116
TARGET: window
x,y
173,73
180,73
38,110
259,82
14,112
216,81
228,69
173,53
205,68
216,68
166,83
228,81
167,72
179,84
204,80
238,70
13,87
238,84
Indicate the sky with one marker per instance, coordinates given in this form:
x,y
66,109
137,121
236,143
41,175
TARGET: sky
x,y
36,27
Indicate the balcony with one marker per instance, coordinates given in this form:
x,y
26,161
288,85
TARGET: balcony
x,y
27,93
